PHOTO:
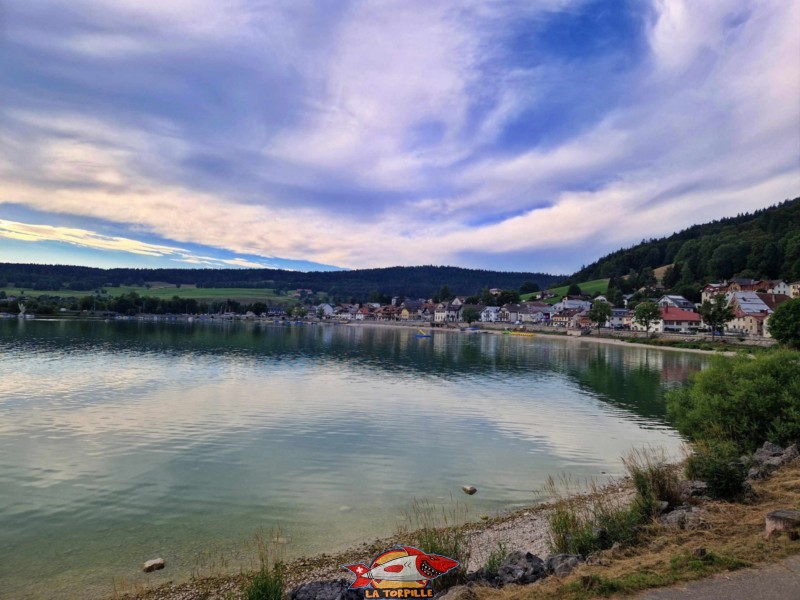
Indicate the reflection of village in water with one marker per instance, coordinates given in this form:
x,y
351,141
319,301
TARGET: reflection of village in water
x,y
630,377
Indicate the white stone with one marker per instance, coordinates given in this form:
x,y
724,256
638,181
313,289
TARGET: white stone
x,y
153,565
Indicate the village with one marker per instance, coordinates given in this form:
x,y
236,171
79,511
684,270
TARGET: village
x,y
752,302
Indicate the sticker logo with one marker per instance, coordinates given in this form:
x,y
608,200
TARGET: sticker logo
x,y
402,572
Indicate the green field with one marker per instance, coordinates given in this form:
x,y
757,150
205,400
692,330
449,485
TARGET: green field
x,y
244,295
587,287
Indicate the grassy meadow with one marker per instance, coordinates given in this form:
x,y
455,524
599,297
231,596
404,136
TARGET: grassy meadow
x,y
587,287
243,295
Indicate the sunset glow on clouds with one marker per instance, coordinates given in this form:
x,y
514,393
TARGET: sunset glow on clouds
x,y
516,135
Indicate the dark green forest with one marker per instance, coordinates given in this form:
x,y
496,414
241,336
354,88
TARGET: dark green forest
x,y
358,285
761,245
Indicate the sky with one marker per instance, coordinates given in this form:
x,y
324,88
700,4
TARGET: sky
x,y
531,135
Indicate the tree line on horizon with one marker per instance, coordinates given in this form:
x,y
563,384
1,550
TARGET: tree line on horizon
x,y
343,286
764,244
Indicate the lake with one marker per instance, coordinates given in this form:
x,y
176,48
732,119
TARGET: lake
x,y
125,441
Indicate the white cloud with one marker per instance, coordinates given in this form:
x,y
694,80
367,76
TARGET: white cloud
x,y
81,237
385,121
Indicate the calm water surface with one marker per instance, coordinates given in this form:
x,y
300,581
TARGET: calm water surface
x,y
124,441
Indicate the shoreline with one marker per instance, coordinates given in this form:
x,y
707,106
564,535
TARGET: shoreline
x,y
523,528
626,342
728,349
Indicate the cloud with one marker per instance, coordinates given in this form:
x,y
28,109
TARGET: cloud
x,y
81,237
363,134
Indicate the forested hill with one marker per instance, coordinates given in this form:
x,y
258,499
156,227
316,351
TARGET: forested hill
x,y
764,244
414,282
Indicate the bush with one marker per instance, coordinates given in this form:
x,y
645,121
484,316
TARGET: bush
x,y
745,400
784,324
717,463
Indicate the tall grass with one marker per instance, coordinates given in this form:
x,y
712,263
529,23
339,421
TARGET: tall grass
x,y
654,478
582,523
440,530
269,582
496,558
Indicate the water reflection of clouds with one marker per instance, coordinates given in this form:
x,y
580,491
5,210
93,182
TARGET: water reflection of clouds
x,y
553,416
167,401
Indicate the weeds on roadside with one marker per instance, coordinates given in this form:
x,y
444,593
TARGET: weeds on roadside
x,y
440,530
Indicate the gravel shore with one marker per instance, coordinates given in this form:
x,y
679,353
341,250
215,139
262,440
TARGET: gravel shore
x,y
524,529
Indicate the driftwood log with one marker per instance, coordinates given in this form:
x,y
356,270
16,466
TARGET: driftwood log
x,y
784,520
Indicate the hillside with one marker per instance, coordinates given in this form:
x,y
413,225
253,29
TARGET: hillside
x,y
764,244
422,282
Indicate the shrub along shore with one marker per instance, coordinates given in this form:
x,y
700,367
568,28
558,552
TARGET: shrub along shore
x,y
664,524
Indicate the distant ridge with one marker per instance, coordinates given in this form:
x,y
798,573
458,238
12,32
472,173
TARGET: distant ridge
x,y
412,282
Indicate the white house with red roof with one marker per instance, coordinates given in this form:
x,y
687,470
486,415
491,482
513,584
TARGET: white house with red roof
x,y
673,320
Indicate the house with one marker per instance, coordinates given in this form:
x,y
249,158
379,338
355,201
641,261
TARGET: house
x,y
410,310
509,313
527,313
675,302
745,285
712,290
387,313
539,312
778,286
565,317
627,320
365,313
678,319
626,298
751,311
454,310
617,319
582,320
794,289
490,314
346,312
325,310
572,302
773,301
672,319
440,314
427,311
